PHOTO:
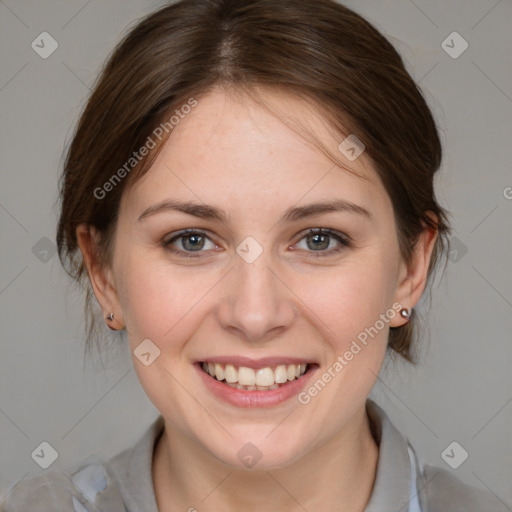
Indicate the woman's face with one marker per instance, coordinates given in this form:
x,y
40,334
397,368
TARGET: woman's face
x,y
254,289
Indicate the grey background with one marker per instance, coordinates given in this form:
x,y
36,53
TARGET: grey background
x,y
462,389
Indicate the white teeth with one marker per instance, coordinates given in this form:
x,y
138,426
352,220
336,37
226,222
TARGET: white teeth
x,y
264,377
219,372
231,373
246,376
261,379
281,375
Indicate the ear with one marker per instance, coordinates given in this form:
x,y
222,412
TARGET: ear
x,y
100,277
413,276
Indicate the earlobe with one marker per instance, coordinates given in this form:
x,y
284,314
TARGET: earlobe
x,y
111,322
99,276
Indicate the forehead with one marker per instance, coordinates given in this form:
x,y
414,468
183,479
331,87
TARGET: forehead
x,y
232,149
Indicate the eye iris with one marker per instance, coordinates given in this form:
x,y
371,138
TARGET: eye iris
x,y
187,238
317,237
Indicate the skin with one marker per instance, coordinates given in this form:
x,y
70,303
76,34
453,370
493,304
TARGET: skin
x,y
237,156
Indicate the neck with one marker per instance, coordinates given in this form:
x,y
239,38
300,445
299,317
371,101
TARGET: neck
x,y
339,475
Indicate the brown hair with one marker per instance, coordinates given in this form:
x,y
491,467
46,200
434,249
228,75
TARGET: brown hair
x,y
317,49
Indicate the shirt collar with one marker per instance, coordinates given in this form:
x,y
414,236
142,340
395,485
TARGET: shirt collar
x,y
391,489
132,470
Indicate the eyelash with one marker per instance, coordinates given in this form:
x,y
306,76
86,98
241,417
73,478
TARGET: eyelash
x,y
343,239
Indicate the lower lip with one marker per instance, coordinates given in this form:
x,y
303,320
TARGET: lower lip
x,y
242,398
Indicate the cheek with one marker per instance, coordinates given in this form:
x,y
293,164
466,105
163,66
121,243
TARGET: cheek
x,y
149,292
161,302
348,298
352,308
147,298
158,304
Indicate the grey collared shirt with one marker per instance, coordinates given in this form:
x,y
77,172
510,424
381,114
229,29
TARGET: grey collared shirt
x,y
124,482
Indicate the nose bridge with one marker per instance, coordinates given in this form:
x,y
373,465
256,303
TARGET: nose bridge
x,y
257,302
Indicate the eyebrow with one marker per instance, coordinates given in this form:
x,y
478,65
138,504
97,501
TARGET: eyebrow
x,y
293,214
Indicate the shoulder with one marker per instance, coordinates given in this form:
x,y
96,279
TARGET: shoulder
x,y
87,488
441,491
43,491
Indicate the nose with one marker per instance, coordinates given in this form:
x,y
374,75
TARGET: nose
x,y
258,304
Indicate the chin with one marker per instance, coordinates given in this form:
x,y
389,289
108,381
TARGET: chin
x,y
260,452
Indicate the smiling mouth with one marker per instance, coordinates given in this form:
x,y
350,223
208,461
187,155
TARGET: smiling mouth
x,y
249,379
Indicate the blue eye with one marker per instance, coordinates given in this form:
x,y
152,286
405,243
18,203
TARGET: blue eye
x,y
192,240
317,240
321,238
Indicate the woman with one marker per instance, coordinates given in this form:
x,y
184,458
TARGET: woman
x,y
249,193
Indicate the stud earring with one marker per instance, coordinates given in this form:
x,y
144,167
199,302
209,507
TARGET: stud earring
x,y
110,318
405,313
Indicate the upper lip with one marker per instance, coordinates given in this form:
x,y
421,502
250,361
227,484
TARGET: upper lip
x,y
263,362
